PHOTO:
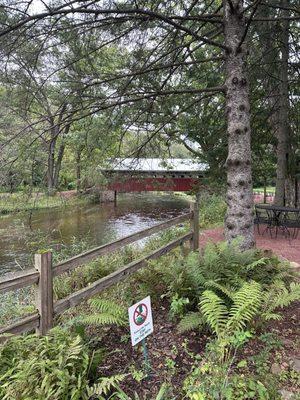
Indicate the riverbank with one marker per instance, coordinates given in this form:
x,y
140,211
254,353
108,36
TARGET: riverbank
x,y
18,202
23,233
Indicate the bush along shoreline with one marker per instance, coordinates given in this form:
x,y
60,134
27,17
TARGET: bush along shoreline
x,y
220,332
21,202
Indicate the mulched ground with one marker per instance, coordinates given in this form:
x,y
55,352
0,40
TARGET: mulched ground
x,y
282,246
287,332
167,347
169,358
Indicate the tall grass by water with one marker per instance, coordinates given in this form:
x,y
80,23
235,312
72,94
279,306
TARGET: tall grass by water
x,y
19,201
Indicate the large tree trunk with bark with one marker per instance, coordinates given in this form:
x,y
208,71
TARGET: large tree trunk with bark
x,y
239,217
282,132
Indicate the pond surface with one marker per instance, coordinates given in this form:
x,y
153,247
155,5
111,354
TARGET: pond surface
x,y
95,224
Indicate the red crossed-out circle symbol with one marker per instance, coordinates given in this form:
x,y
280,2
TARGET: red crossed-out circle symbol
x,y
140,314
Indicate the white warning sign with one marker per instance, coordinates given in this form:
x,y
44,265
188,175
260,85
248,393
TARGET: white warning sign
x,y
140,320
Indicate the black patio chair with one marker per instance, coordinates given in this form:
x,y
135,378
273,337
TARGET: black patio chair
x,y
265,217
291,220
283,219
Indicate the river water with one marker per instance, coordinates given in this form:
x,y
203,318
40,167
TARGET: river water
x,y
96,224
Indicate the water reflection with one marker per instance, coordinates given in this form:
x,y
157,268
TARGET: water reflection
x,y
99,224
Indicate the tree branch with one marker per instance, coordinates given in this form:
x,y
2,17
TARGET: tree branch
x,y
151,14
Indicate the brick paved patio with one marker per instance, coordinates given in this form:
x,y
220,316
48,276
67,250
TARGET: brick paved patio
x,y
281,246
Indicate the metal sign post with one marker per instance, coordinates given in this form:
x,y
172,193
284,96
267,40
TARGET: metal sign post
x,y
147,365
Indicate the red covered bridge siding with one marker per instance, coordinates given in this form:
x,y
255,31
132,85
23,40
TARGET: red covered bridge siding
x,y
153,174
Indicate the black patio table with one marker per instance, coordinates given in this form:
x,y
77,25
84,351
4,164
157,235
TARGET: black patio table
x,y
279,217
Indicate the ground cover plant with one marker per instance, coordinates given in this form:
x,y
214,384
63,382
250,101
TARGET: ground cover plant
x,y
230,314
20,201
211,312
52,367
21,302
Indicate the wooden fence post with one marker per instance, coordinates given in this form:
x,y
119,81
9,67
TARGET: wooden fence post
x,y
44,296
195,225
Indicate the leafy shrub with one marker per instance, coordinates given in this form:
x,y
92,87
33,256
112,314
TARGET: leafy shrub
x,y
211,381
217,278
49,367
212,210
119,394
218,267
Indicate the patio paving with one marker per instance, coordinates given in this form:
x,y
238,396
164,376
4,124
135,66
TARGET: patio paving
x,y
283,247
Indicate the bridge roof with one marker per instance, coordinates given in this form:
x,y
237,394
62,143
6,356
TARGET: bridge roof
x,y
155,165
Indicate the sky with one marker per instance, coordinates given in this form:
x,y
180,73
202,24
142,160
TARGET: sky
x,y
37,6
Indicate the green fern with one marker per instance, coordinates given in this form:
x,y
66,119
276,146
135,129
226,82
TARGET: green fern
x,y
246,303
121,395
102,319
106,312
191,321
220,288
278,296
105,306
105,386
228,320
257,263
49,367
214,311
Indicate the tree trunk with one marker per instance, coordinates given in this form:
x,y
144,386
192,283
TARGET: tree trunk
x,y
239,217
78,170
297,190
58,165
54,167
50,167
283,125
265,190
290,192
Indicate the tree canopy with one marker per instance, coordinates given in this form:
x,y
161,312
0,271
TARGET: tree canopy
x,y
85,80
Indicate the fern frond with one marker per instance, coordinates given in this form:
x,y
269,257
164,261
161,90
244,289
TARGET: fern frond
x,y
270,316
221,288
103,319
106,306
214,310
105,385
279,296
246,303
191,321
257,263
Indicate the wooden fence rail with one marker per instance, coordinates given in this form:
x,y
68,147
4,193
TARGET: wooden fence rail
x,y
44,272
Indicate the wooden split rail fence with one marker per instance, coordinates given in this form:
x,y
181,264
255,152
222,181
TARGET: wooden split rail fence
x,y
42,275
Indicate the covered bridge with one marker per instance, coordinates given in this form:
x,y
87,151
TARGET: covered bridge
x,y
153,174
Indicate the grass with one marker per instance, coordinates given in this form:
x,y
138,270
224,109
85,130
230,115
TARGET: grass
x,y
16,304
270,189
212,209
17,202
